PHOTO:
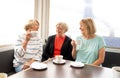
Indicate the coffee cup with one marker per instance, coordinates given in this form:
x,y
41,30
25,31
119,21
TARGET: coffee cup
x,y
3,75
116,71
34,33
58,58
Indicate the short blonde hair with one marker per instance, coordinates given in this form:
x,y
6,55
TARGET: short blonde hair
x,y
63,25
30,24
90,25
34,21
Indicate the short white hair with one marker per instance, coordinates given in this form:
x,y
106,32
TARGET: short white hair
x,y
63,25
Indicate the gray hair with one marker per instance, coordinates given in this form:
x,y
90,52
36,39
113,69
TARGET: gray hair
x,y
63,25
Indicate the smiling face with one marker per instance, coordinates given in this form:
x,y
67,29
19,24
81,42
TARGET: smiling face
x,y
87,27
83,28
61,28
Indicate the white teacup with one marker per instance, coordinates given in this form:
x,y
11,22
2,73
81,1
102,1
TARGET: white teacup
x,y
58,58
116,71
34,33
3,75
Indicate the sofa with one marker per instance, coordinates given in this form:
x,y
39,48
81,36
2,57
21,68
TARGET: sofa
x,y
7,56
6,59
111,59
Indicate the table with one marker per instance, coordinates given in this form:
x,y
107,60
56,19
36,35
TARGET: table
x,y
66,71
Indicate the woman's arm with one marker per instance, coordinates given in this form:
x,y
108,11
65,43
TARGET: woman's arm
x,y
46,52
28,63
101,57
73,49
25,42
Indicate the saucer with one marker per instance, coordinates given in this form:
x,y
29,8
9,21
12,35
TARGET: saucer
x,y
56,62
38,66
77,64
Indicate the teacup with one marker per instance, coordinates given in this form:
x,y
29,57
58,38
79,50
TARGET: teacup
x,y
34,33
78,42
116,71
3,75
58,58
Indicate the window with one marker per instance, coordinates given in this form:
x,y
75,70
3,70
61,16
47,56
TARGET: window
x,y
13,16
106,14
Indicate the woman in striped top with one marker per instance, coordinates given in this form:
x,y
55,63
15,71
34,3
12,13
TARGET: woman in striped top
x,y
28,47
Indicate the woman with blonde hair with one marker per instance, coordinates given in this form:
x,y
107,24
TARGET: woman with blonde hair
x,y
28,47
88,48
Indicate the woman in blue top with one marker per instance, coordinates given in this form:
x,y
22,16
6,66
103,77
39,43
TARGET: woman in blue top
x,y
88,48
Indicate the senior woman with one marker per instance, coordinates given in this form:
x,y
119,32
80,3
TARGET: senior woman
x,y
58,44
88,48
28,47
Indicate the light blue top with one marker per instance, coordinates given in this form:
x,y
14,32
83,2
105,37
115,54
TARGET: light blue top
x,y
87,49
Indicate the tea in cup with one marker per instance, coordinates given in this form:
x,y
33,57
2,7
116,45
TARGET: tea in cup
x,y
58,58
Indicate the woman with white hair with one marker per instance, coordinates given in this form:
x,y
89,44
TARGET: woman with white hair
x,y
58,44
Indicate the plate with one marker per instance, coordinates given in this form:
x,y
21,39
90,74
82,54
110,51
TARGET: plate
x,y
38,66
61,62
77,64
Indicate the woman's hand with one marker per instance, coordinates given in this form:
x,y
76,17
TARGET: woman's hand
x,y
27,38
28,63
73,43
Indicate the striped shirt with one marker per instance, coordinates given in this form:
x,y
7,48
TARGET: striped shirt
x,y
34,50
